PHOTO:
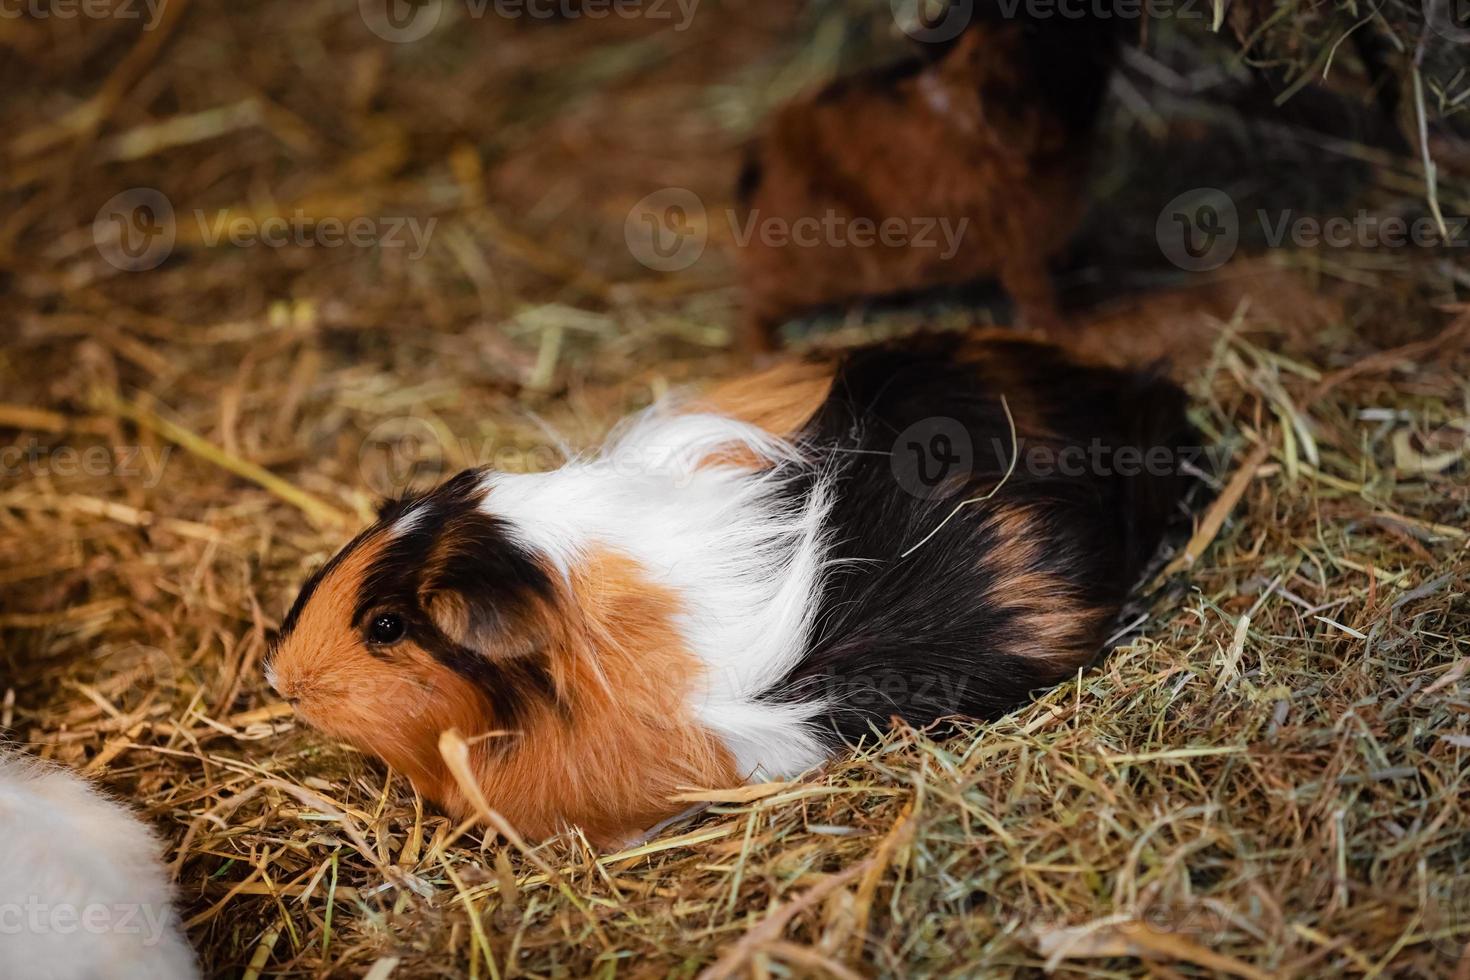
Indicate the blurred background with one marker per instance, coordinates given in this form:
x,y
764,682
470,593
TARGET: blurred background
x,y
469,172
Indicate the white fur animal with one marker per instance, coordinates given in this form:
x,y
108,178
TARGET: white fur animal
x,y
83,895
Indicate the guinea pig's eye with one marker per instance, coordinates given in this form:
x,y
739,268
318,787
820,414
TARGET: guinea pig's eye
x,y
386,629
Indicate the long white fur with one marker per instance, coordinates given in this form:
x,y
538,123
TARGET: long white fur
x,y
82,891
745,566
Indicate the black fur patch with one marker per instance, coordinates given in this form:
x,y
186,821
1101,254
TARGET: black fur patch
x,y
925,637
751,173
450,545
313,582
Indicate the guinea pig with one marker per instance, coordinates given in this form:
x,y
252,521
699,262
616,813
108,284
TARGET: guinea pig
x,y
962,164
82,892
739,584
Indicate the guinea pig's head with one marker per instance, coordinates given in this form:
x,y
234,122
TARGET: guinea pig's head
x,y
571,684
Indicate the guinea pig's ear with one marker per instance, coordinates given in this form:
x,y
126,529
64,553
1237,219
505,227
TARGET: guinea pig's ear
x,y
483,592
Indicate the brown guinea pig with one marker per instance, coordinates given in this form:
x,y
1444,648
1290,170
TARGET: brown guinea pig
x,y
925,173
740,584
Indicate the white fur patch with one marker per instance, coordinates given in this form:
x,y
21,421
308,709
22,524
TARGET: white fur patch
x,y
746,565
82,892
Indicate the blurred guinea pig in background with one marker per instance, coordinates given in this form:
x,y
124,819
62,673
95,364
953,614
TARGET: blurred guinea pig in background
x,y
83,895
970,158
740,583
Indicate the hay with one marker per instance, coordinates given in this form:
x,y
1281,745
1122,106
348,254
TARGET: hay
x,y
1267,778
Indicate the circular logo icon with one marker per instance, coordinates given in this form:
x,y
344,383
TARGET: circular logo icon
x,y
130,674
135,231
1446,915
933,458
1450,19
667,230
932,21
1199,229
401,21
399,454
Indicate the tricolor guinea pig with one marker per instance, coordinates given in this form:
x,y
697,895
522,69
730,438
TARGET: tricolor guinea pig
x,y
737,585
964,162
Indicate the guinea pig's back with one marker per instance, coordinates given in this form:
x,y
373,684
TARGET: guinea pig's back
x,y
960,582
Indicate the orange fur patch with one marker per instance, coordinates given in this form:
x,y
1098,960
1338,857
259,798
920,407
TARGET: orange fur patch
x,y
778,399
606,754
622,741
1055,627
